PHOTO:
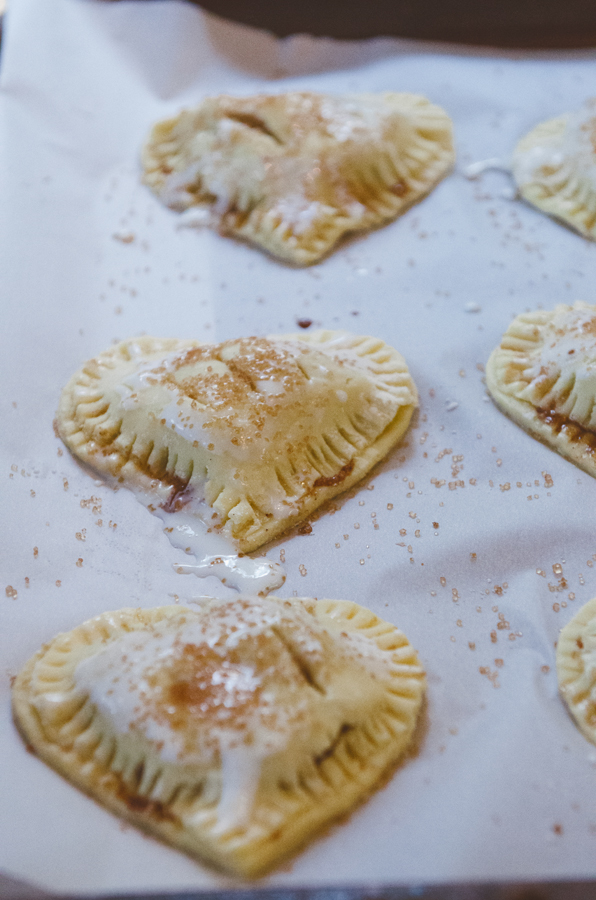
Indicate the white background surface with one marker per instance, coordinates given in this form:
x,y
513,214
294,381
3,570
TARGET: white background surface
x,y
503,785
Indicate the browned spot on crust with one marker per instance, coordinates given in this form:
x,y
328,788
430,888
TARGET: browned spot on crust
x,y
333,480
233,218
154,809
180,496
546,171
400,189
513,372
591,714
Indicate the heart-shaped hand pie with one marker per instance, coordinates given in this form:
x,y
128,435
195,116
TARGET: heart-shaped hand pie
x,y
555,168
233,731
294,172
543,375
244,438
576,668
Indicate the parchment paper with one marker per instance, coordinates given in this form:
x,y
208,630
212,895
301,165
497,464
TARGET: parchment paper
x,y
502,785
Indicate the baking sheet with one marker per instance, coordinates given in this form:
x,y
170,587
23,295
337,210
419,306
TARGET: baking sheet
x,y
502,786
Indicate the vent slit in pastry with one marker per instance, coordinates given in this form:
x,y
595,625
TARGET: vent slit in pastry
x,y
252,121
303,370
292,173
233,444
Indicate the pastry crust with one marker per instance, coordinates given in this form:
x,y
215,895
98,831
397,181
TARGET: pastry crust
x,y
576,668
543,375
233,732
555,168
249,436
294,172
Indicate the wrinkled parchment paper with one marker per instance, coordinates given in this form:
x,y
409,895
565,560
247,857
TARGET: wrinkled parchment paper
x,y
455,535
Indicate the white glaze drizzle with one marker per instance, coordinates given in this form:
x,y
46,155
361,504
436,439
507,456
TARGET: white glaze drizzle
x,y
240,773
476,169
213,553
185,528
119,679
230,178
191,528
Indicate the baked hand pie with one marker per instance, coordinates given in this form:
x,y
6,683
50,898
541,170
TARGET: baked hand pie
x,y
543,375
555,168
234,443
232,731
294,172
576,668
